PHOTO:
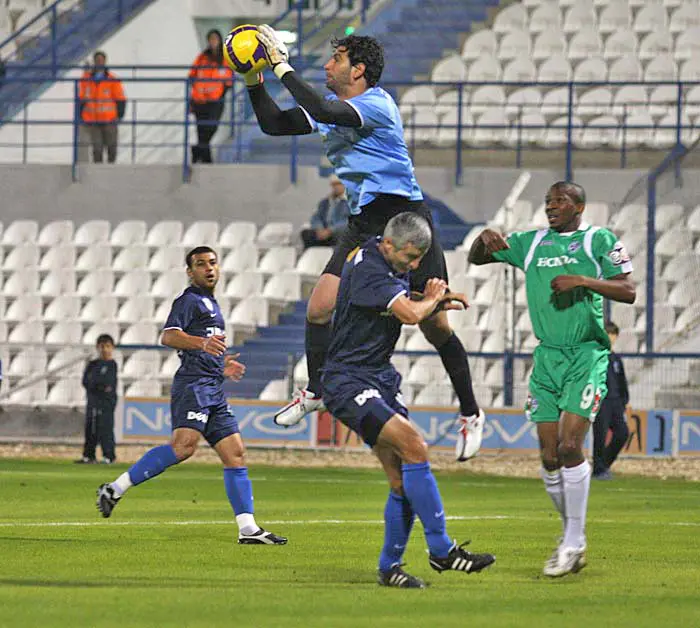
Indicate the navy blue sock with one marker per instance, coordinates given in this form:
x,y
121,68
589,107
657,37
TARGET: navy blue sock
x,y
317,340
422,492
153,463
239,490
454,359
398,521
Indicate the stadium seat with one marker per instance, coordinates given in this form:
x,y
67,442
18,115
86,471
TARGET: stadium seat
x,y
201,233
30,395
64,333
26,307
131,257
135,309
651,18
449,128
244,284
514,45
674,241
654,44
600,131
528,129
427,369
456,262
472,234
251,312
545,19
694,220
242,258
597,214
579,17
163,310
667,216
556,101
142,364
620,44
594,102
435,394
493,343
170,365
420,97
687,44
630,99
95,257
449,101
546,45
421,126
167,258
661,68
614,18
491,127
484,98
92,232
30,361
683,296
68,362
133,283
585,44
20,232
67,393
638,130
3,331
686,16
168,285
65,307
631,216
484,69
623,315
689,70
129,233
591,70
277,259
681,266
313,260
402,363
479,44
101,327
60,256
275,234
148,388
99,308
688,318
237,233
512,18
22,257
448,70
283,286
519,70
27,333
524,100
275,390
556,134
635,241
165,233
21,282
418,342
56,232
625,69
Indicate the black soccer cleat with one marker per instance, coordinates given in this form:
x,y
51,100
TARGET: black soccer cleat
x,y
107,499
397,577
461,560
261,537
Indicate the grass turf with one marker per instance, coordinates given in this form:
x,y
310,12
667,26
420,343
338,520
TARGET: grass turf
x,y
167,556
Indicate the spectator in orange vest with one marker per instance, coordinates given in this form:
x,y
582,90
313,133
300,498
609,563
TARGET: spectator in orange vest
x,y
207,96
102,105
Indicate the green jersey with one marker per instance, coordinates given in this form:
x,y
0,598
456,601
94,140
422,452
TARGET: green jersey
x,y
569,318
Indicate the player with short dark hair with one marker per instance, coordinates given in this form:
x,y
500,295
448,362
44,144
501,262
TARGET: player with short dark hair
x,y
363,139
361,389
195,327
569,268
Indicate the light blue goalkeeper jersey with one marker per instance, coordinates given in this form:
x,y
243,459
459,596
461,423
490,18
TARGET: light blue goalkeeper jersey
x,y
372,159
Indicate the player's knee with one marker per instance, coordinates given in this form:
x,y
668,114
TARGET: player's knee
x,y
184,450
569,451
415,450
549,462
319,312
437,331
396,486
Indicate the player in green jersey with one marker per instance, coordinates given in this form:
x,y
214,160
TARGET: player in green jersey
x,y
569,268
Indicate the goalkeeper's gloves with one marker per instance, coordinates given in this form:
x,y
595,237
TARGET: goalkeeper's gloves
x,y
275,51
253,79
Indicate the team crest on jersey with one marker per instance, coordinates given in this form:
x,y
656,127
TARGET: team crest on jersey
x,y
619,254
531,405
573,247
208,304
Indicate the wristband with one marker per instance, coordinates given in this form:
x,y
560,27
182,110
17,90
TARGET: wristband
x,y
281,69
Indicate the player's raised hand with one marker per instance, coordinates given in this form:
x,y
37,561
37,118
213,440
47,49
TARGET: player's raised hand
x,y
275,51
214,345
565,283
493,241
435,289
453,301
232,368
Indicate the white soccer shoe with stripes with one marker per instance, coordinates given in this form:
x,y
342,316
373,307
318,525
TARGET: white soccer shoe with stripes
x,y
566,560
470,431
460,559
303,402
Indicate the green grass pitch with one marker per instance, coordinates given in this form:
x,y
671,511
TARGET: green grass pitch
x,y
167,557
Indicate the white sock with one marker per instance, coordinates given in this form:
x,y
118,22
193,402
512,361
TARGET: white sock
x,y
554,486
122,484
246,523
577,481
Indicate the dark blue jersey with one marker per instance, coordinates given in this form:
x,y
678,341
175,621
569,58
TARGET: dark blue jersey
x,y
364,330
197,313
100,382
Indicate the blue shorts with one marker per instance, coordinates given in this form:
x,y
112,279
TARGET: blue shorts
x,y
363,400
200,404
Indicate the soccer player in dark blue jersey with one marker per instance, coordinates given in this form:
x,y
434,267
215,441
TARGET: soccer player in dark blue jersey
x,y
361,389
195,327
363,138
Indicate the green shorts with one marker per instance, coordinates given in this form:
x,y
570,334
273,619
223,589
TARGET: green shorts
x,y
567,379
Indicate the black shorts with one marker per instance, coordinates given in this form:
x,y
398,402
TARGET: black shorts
x,y
372,221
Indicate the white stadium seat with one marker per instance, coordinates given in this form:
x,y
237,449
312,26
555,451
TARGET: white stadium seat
x,y
556,134
591,70
528,129
637,131
545,19
67,393
170,365
556,101
95,257
684,17
99,308
131,257
421,125
313,260
56,232
594,102
654,44
620,44
250,312
651,18
92,232
524,100
448,70
277,259
101,327
68,362
142,364
484,69
449,128
614,18
419,97
630,99
661,68
244,284
693,223
60,256
165,233
579,17
625,69
65,307
688,44
22,257
275,234
486,97
29,395
275,390
133,283
168,285
600,131
27,333
630,216
514,45
597,214
128,233
689,70
168,258
21,282
681,266
673,242
20,232
490,127
24,308
64,333
427,369
283,286
512,18
519,71
135,309
242,258
149,388
201,233
585,44
237,233
478,44
546,45
31,361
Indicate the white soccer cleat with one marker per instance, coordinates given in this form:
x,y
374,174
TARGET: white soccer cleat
x,y
302,403
566,560
470,431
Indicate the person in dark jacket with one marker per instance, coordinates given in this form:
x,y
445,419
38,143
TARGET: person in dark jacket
x,y
330,219
100,382
612,414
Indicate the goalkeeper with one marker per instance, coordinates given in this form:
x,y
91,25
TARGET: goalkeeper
x,y
363,139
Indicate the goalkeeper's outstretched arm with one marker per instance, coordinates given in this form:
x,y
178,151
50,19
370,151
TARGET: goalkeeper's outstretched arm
x,y
272,119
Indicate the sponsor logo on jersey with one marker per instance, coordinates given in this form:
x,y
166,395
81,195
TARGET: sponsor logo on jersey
x,y
619,254
552,262
197,416
208,304
573,247
546,243
366,395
